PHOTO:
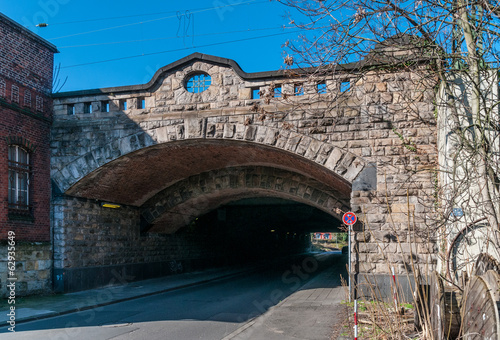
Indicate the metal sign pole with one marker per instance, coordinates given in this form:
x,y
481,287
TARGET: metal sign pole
x,y
349,260
349,218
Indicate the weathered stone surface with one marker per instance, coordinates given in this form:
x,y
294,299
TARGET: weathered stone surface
x,y
33,269
336,136
245,93
334,158
194,127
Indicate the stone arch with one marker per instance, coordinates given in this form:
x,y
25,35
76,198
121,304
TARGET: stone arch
x,y
71,170
189,198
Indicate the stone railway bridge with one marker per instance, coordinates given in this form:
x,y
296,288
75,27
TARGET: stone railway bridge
x,y
186,167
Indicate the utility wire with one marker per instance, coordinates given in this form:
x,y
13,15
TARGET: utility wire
x,y
153,20
181,49
176,37
156,13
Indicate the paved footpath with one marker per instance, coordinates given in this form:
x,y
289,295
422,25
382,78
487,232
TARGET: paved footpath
x,y
311,313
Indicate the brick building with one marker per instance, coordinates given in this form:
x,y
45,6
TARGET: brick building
x,y
26,68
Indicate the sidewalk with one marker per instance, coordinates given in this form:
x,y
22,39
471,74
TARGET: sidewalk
x,y
38,307
313,312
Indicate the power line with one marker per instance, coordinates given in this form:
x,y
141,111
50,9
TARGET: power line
x,y
158,19
156,13
113,18
180,49
175,37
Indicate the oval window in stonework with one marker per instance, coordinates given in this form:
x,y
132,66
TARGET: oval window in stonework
x,y
198,82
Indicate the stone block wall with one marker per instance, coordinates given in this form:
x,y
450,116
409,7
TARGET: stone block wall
x,y
33,269
399,213
97,246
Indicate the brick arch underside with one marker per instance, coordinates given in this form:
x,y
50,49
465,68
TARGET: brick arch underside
x,y
181,203
139,178
97,172
135,177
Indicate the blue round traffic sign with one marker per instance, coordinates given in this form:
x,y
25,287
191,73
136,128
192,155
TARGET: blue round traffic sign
x,y
349,218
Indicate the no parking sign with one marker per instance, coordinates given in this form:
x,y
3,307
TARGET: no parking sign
x,y
349,218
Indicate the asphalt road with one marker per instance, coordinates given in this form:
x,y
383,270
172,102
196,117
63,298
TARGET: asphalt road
x,y
223,309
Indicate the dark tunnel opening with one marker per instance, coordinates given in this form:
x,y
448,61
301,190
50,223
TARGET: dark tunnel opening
x,y
259,228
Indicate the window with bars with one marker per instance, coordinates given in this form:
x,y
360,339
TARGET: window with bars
x,y
19,179
15,93
2,87
39,103
27,98
198,83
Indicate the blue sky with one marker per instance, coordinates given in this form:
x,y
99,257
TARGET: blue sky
x,y
152,33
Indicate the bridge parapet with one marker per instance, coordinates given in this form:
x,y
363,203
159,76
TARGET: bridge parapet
x,y
230,87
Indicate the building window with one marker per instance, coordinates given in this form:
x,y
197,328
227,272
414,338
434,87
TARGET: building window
x,y
71,109
345,86
123,104
255,93
298,90
39,103
105,106
19,179
27,98
2,88
277,91
321,87
141,103
198,83
15,94
87,107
